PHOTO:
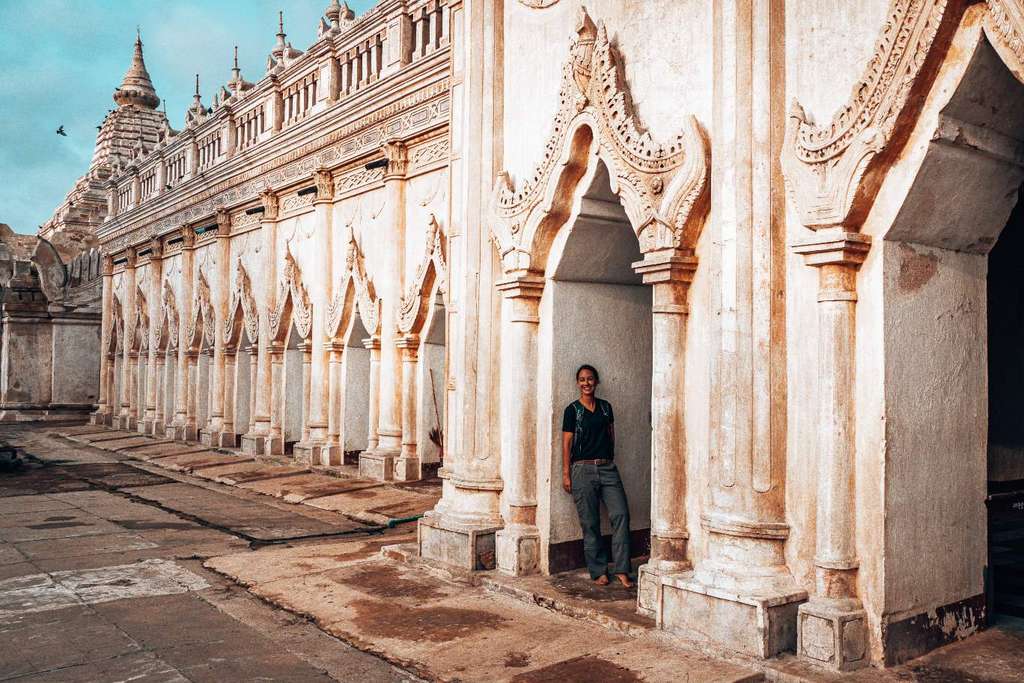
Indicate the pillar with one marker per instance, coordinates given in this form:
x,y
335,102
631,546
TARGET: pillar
x,y
135,360
669,274
743,577
518,543
149,420
335,449
125,413
307,387
832,625
373,346
159,417
255,441
105,406
178,428
407,466
460,530
229,396
378,463
315,447
253,375
276,437
214,429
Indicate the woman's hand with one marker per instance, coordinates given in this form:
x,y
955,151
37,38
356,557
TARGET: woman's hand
x,y
566,482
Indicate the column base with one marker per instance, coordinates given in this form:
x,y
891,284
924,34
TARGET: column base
x,y
100,418
217,439
275,445
756,624
254,444
465,546
518,550
316,452
377,465
833,635
407,469
177,432
147,427
649,579
126,423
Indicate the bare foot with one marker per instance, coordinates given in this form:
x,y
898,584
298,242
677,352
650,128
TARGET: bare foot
x,y
601,581
624,580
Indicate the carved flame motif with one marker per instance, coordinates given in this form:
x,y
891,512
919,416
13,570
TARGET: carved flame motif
x,y
657,183
170,313
824,165
116,325
201,307
141,342
433,268
242,306
293,302
355,295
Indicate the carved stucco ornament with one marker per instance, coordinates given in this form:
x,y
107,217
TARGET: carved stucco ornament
x,y
662,186
170,316
828,168
1004,26
141,329
293,302
116,326
355,295
201,308
538,4
433,269
241,310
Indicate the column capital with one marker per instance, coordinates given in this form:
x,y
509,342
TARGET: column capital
x,y
408,341
131,256
108,265
397,155
334,347
223,222
667,265
834,246
526,284
324,180
373,344
156,248
271,203
188,237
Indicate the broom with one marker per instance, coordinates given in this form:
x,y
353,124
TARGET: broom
x,y
435,434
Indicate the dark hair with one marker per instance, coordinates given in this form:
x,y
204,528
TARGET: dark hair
x,y
585,366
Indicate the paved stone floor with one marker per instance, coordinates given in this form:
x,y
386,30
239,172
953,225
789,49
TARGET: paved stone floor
x,y
126,559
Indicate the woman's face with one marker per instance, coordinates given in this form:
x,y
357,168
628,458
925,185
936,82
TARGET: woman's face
x,y
586,382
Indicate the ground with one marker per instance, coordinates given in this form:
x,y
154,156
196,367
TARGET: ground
x,y
123,558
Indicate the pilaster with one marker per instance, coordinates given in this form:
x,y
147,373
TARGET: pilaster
x,y
177,429
407,466
832,624
105,408
148,423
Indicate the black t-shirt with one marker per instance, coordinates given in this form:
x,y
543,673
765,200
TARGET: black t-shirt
x,y
595,439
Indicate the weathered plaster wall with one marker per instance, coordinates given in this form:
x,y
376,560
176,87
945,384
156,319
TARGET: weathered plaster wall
x,y
936,427
665,47
609,327
356,381
430,406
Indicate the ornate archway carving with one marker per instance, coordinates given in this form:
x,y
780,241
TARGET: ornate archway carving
x,y
293,302
241,310
140,331
115,336
433,270
169,321
1004,26
662,186
202,307
355,295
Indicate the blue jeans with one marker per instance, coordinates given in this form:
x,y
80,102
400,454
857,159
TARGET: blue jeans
x,y
590,485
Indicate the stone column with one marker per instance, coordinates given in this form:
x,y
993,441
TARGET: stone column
x,y
373,345
518,544
159,417
253,375
669,273
307,387
177,430
126,399
335,448
149,422
743,577
215,422
255,441
407,466
832,625
105,406
315,447
134,359
460,529
229,396
276,436
378,463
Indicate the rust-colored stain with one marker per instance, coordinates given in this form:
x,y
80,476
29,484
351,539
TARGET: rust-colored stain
x,y
587,668
384,581
916,269
516,660
435,624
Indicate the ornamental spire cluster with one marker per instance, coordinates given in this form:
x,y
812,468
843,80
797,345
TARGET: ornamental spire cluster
x,y
136,87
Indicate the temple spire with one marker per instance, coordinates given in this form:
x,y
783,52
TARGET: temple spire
x,y
137,88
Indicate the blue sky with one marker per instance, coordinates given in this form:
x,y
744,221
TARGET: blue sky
x,y
62,61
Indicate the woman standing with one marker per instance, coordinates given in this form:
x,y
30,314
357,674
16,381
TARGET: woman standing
x,y
590,475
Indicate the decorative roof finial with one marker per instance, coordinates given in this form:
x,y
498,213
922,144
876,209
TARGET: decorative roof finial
x,y
137,87
279,48
237,83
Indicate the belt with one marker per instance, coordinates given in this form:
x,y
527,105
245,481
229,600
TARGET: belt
x,y
599,461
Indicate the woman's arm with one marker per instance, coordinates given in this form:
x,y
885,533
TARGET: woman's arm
x,y
566,458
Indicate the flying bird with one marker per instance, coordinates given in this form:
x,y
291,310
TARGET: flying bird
x,y
60,131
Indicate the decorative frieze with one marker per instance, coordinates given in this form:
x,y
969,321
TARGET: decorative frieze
x,y
293,302
430,153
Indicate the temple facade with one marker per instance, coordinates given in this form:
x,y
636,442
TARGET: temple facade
x,y
784,231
